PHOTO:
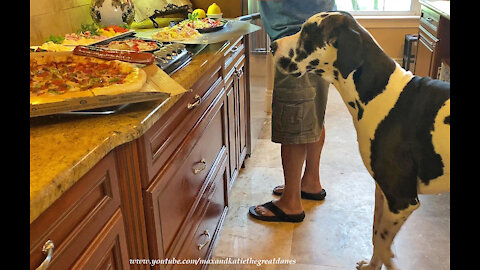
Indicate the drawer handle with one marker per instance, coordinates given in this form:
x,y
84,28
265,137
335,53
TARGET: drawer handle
x,y
234,50
431,43
200,246
238,73
47,249
204,165
195,104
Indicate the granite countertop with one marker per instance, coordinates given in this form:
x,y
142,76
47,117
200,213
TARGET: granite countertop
x,y
442,7
63,148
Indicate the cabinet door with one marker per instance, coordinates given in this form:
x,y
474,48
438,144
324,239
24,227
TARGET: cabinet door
x,y
232,127
242,109
424,58
427,54
108,251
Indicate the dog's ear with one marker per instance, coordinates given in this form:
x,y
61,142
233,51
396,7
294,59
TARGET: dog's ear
x,y
349,51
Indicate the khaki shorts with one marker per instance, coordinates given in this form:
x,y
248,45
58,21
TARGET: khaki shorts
x,y
298,108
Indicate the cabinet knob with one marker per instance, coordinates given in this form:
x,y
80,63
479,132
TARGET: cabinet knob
x,y
204,166
47,249
209,238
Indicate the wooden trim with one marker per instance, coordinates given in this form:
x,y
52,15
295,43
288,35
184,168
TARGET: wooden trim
x,y
247,94
132,202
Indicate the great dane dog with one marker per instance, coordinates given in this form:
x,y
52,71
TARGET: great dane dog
x,y
402,121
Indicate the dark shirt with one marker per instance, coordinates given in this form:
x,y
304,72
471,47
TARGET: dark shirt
x,y
285,17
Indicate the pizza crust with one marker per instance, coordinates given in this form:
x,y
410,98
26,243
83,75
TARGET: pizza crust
x,y
133,83
58,98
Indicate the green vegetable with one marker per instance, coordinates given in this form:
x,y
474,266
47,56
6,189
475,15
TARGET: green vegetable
x,y
88,27
192,17
56,39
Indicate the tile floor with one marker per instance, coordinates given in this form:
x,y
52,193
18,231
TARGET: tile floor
x,y
336,233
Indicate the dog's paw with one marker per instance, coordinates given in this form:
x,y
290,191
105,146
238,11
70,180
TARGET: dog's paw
x,y
364,265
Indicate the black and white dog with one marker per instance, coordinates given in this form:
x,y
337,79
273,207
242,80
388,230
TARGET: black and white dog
x,y
402,121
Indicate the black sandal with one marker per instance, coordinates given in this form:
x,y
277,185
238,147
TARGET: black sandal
x,y
305,195
279,215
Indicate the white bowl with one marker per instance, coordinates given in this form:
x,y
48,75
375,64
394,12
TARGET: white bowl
x,y
214,16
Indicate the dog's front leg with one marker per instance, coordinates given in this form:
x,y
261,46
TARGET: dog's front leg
x,y
388,227
375,262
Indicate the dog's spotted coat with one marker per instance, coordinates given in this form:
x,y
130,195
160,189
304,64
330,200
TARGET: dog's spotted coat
x,y
402,121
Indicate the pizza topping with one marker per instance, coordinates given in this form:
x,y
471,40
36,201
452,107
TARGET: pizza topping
x,y
63,76
177,32
137,45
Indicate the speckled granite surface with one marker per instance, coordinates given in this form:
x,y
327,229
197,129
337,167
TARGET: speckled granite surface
x,y
63,148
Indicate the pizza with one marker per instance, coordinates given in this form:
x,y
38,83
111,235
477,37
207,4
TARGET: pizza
x,y
137,45
56,77
202,24
176,33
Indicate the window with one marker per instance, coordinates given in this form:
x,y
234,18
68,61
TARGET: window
x,y
380,7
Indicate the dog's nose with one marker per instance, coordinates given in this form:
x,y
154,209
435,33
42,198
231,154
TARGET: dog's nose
x,y
273,47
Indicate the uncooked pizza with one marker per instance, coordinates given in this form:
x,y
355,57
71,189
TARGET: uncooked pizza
x,y
57,77
137,45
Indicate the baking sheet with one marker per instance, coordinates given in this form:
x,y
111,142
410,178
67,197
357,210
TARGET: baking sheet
x,y
233,29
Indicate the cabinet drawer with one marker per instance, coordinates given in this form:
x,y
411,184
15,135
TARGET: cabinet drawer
x,y
174,193
164,137
232,55
429,19
209,215
427,38
77,216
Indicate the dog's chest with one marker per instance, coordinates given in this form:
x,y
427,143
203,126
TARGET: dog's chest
x,y
375,111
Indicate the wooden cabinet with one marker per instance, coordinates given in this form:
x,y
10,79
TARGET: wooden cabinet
x,y
172,199
191,158
433,43
237,106
163,195
91,206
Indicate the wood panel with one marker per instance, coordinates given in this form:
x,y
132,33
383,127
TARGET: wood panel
x,y
108,251
232,130
242,109
77,216
132,202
